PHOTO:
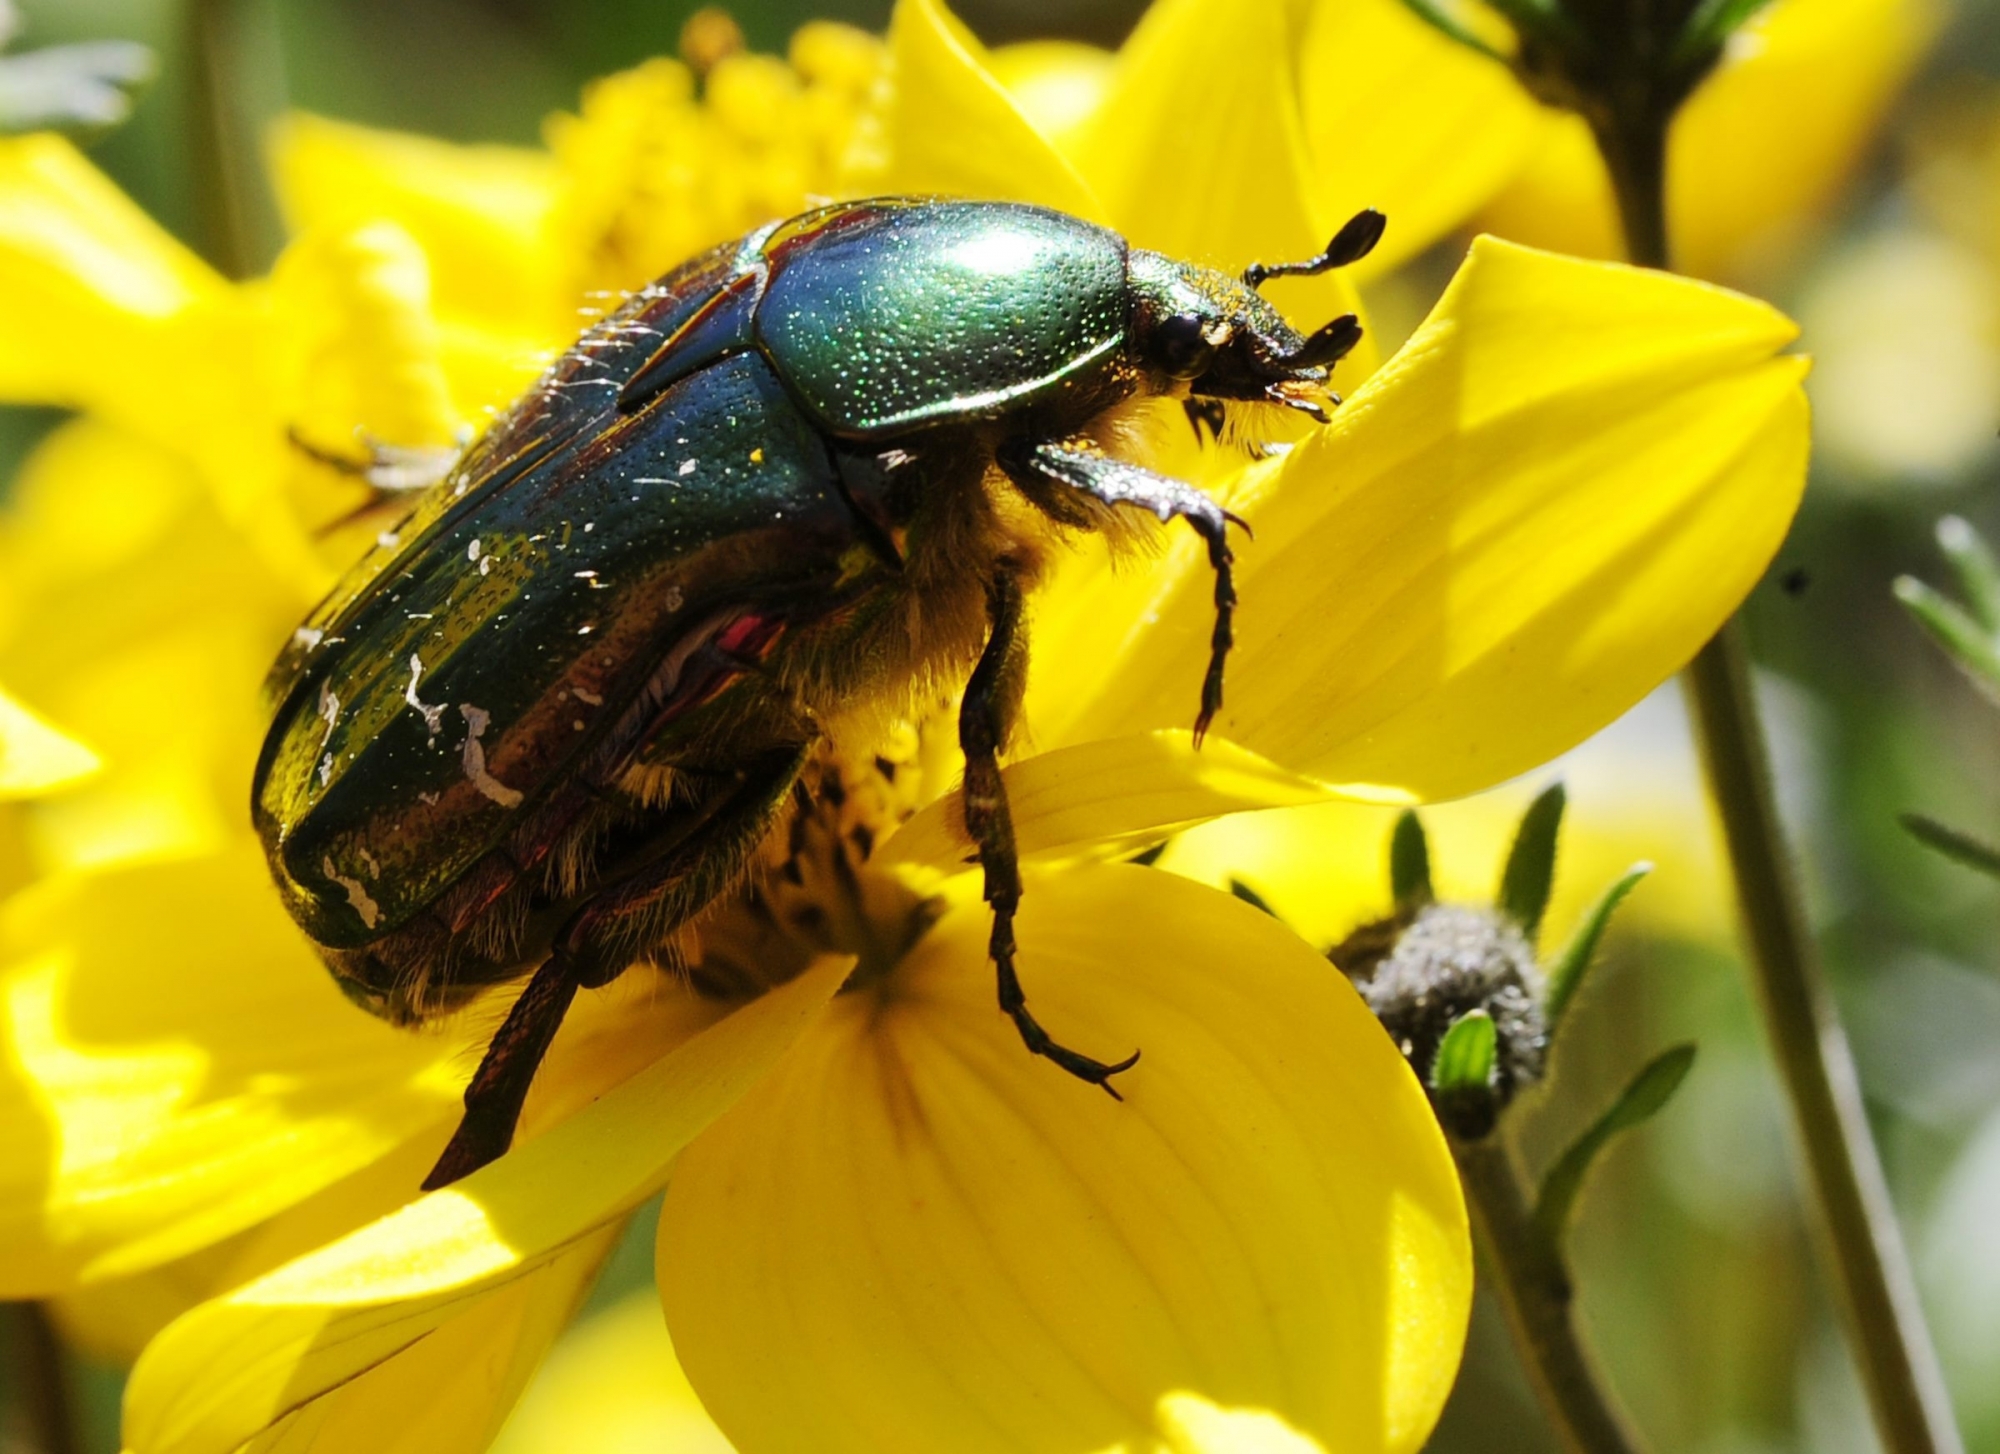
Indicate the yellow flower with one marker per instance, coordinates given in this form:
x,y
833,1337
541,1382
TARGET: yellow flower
x,y
884,1225
1758,152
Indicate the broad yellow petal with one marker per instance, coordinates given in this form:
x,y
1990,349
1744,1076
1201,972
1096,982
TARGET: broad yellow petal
x,y
1105,793
1198,149
480,213
951,127
36,756
914,1236
1756,155
613,1386
238,1367
1537,511
1059,85
1401,118
179,1066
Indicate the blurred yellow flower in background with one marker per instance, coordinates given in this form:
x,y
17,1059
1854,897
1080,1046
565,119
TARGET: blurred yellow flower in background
x,y
1521,522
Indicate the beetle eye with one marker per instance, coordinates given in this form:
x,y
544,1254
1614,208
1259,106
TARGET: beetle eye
x,y
1184,347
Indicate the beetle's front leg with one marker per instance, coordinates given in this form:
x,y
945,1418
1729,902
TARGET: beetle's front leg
x,y
1080,466
991,698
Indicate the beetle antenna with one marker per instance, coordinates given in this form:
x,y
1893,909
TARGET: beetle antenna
x,y
1328,345
1355,240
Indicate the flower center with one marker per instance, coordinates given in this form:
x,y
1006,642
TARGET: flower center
x,y
812,890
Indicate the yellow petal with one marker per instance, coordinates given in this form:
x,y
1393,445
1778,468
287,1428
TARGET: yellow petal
x,y
1224,182
1059,85
89,279
37,757
1401,118
180,1066
613,1386
480,213
1108,792
952,128
915,1236
240,1365
1759,151
1537,511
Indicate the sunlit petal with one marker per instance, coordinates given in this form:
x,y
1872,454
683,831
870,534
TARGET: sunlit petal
x,y
239,1366
1059,85
1758,152
36,756
1400,118
952,127
1539,509
914,1236
164,1089
480,213
1198,150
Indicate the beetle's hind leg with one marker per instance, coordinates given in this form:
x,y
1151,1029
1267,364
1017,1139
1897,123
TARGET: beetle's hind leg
x,y
991,697
693,860
1040,468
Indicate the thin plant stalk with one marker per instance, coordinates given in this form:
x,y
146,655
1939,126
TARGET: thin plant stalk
x,y
1854,1217
1529,1279
48,1411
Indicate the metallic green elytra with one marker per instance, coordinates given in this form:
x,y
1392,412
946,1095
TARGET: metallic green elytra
x,y
547,721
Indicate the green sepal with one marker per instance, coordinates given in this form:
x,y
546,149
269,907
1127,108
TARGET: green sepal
x,y
1565,971
1978,572
1958,633
83,87
1953,843
1531,863
1250,896
1465,1056
1701,40
1644,1098
1410,862
1440,19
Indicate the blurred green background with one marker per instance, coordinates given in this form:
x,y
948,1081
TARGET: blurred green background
x,y
1693,1257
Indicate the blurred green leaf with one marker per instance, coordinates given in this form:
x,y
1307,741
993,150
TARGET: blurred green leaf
x,y
1410,862
1953,843
1565,971
1977,570
1531,863
1962,638
1648,1093
1442,19
71,87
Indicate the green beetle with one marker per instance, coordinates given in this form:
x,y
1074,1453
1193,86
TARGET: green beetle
x,y
550,718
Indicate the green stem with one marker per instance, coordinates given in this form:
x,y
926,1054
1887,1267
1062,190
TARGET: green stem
x,y
42,1380
230,205
1526,1273
1855,1219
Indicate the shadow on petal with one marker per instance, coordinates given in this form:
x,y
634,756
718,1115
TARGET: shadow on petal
x,y
915,1236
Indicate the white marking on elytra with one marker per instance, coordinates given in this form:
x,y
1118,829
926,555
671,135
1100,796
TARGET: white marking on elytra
x,y
433,716
388,540
357,895
472,550
591,697
477,720
368,862
675,599
688,467
308,637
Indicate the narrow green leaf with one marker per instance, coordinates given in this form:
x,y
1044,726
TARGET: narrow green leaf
x,y
70,87
1410,862
1953,843
1977,569
1443,20
1648,1093
1565,971
1973,649
1250,896
1464,1060
1531,864
1701,40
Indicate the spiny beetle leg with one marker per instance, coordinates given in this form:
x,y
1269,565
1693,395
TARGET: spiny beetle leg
x,y
990,699
1084,468
498,1088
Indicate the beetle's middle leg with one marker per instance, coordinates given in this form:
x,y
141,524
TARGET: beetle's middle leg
x,y
1044,470
991,698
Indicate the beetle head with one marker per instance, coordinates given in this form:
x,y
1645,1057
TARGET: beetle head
x,y
1218,337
